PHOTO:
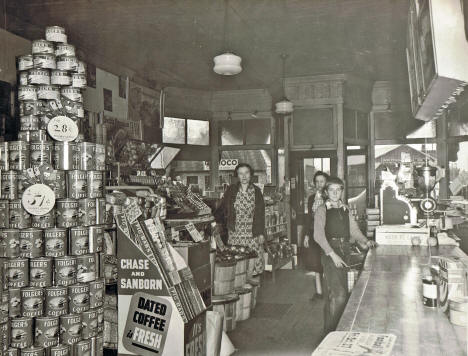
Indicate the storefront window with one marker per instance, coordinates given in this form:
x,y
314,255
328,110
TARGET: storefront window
x,y
260,160
198,132
426,130
231,133
174,130
257,132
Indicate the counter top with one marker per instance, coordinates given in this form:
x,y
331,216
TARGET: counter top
x,y
387,298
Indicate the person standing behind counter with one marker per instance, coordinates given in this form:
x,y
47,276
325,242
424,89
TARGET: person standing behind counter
x,y
242,210
334,230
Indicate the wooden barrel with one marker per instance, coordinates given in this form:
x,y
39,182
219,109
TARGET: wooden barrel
x,y
226,304
250,267
241,273
224,277
243,304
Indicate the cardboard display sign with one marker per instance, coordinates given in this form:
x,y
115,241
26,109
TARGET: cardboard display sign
x,y
62,128
38,199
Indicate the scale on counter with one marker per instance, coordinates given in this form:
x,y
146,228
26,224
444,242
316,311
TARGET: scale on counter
x,y
401,235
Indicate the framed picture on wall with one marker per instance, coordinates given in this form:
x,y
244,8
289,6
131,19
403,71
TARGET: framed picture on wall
x,y
107,95
91,75
123,87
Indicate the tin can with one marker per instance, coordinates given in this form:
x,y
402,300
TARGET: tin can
x,y
82,348
4,280
45,61
44,221
65,155
56,242
70,329
27,92
78,81
55,34
48,92
23,78
78,298
31,243
39,76
67,63
25,62
87,212
73,94
96,293
4,307
11,239
78,241
47,331
21,331
100,312
101,211
18,155
4,164
56,301
87,154
60,185
19,218
14,306
30,122
86,268
79,110
65,270
77,184
12,352
40,272
30,107
60,77
97,345
100,157
90,322
9,189
33,351
4,214
32,301
41,153
64,49
67,212
96,238
59,350
18,272
95,184
81,69
5,337
42,46
22,183
34,135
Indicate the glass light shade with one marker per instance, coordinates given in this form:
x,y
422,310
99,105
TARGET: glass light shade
x,y
284,107
227,64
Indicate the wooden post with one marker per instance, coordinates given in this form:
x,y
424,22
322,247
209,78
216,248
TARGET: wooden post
x,y
371,162
214,140
442,155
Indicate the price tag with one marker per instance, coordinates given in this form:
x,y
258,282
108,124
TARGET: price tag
x,y
196,236
62,128
38,199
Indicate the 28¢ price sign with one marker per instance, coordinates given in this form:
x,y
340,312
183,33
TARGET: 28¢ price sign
x,y
62,128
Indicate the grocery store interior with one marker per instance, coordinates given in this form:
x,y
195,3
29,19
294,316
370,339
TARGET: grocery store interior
x,y
232,177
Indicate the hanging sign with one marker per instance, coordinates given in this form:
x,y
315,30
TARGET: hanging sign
x,y
62,128
38,199
228,164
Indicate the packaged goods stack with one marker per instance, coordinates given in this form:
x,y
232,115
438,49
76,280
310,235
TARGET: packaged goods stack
x,y
53,212
373,220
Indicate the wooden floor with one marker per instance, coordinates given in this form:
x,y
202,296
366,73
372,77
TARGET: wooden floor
x,y
285,322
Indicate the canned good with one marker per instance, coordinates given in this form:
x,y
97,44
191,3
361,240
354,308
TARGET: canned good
x,y
18,155
67,212
60,77
23,78
21,331
4,214
65,270
25,62
78,241
30,122
81,69
101,211
56,301
96,238
78,81
27,92
59,350
22,183
87,212
42,46
78,298
55,34
97,345
86,268
44,221
77,184
33,351
67,63
79,110
70,329
14,306
40,272
41,153
100,157
47,331
95,181
60,185
33,136
100,312
11,240
30,107
12,352
48,92
45,61
32,301
64,49
4,279
5,337
82,348
4,164
71,93
56,242
18,272
96,293
87,153
31,243
9,189
19,218
39,76
89,321
4,307
65,155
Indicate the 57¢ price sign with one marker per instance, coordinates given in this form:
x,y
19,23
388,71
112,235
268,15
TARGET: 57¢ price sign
x,y
62,128
38,199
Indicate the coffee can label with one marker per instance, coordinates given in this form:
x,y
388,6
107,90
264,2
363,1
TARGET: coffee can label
x,y
79,241
21,332
40,272
65,270
70,329
78,298
56,301
32,301
18,272
47,331
56,242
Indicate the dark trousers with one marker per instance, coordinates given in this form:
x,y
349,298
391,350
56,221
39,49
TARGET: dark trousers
x,y
335,288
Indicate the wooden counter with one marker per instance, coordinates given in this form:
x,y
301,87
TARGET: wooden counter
x,y
387,298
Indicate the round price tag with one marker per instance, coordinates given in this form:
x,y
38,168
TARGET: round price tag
x,y
38,199
62,128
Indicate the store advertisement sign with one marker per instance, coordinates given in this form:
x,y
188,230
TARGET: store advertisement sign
x,y
38,199
62,128
147,324
228,164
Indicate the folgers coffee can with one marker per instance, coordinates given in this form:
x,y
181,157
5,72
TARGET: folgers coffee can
x,y
4,164
48,92
55,34
42,46
56,301
81,69
96,293
70,329
66,156
89,321
31,243
12,352
100,157
64,49
67,212
39,76
22,183
69,63
4,280
46,331
100,312
30,107
33,135
60,185
25,62
5,337
87,212
82,348
29,122
27,92
19,218
21,331
86,266
78,298
23,78
79,110
32,301
87,154
45,61
18,272
44,221
101,211
78,243
60,77
41,153
40,272
18,155
11,240
78,81
56,242
65,270
14,306
33,351
95,184
77,186
96,238
71,93
9,189
4,307
59,350
97,345
4,214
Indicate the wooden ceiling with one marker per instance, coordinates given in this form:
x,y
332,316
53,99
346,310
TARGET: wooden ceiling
x,y
173,42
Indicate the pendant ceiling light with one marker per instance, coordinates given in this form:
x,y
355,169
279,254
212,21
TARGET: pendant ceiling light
x,y
284,106
227,63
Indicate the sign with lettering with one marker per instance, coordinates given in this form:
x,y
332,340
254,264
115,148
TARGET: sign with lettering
x,y
228,164
62,128
38,199
147,324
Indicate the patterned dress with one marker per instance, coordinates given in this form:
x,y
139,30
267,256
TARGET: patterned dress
x,y
244,206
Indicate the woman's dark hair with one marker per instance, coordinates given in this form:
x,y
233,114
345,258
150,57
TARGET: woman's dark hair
x,y
240,165
321,173
334,181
